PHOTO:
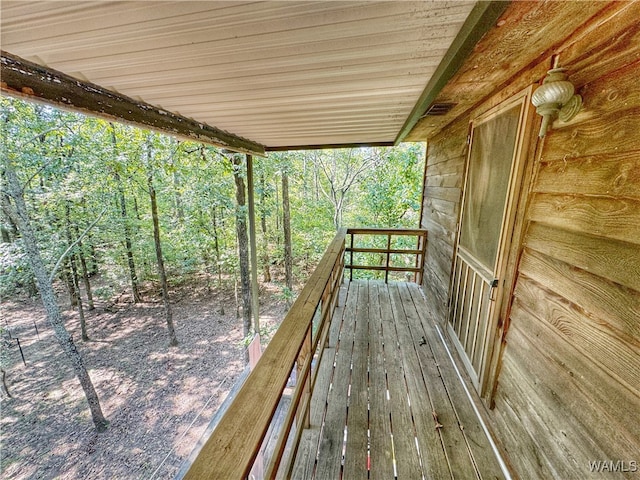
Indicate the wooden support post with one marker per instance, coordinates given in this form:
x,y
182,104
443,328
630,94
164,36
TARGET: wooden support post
x,y
255,304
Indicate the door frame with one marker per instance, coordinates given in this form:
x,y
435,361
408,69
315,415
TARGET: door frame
x,y
509,243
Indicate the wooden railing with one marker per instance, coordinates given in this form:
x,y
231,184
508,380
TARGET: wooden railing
x,y
239,437
235,443
385,253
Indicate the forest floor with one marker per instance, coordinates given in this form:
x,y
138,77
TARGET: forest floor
x,y
158,400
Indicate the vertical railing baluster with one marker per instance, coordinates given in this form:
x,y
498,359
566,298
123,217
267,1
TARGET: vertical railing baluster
x,y
418,247
386,270
351,266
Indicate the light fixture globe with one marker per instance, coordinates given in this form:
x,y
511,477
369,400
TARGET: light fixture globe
x,y
551,97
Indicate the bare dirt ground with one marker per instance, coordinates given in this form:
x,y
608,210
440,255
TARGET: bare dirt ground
x,y
157,399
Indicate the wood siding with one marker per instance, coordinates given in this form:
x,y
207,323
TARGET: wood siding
x,y
568,387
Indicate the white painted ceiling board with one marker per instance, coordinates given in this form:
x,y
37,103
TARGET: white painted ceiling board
x,y
278,73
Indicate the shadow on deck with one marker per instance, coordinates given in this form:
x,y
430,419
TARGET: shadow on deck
x,y
388,401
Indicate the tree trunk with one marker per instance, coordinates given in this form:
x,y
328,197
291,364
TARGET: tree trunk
x,y
83,323
173,341
19,214
216,244
85,276
277,190
177,196
263,225
286,223
127,231
243,244
74,275
93,258
67,276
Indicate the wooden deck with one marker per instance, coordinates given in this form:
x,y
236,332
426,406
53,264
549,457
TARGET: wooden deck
x,y
388,402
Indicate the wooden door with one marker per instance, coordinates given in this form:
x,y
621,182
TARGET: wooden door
x,y
492,183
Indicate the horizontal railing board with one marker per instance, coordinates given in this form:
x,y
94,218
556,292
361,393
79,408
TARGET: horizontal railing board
x,y
383,268
381,250
387,231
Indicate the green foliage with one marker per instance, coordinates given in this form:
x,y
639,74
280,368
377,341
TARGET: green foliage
x,y
75,167
16,275
392,195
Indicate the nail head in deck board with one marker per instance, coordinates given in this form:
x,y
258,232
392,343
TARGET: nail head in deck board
x,y
401,311
304,463
24,79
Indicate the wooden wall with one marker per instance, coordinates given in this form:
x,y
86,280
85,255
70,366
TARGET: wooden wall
x,y
568,388
446,155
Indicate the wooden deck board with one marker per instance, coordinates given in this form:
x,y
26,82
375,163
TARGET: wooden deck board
x,y
428,430
355,460
305,460
381,448
395,391
443,413
332,436
406,453
477,443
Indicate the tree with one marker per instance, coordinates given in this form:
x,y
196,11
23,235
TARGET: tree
x,y
74,274
264,246
125,220
243,242
286,224
391,197
173,341
342,170
14,206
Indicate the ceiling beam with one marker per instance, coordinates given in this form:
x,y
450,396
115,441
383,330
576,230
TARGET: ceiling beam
x,y
481,19
27,80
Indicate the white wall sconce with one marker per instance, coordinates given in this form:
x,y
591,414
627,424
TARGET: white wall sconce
x,y
555,99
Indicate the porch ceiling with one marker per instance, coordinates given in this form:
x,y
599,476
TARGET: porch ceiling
x,y
282,74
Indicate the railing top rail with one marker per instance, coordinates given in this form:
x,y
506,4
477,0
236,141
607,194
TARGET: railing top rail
x,y
386,231
230,451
